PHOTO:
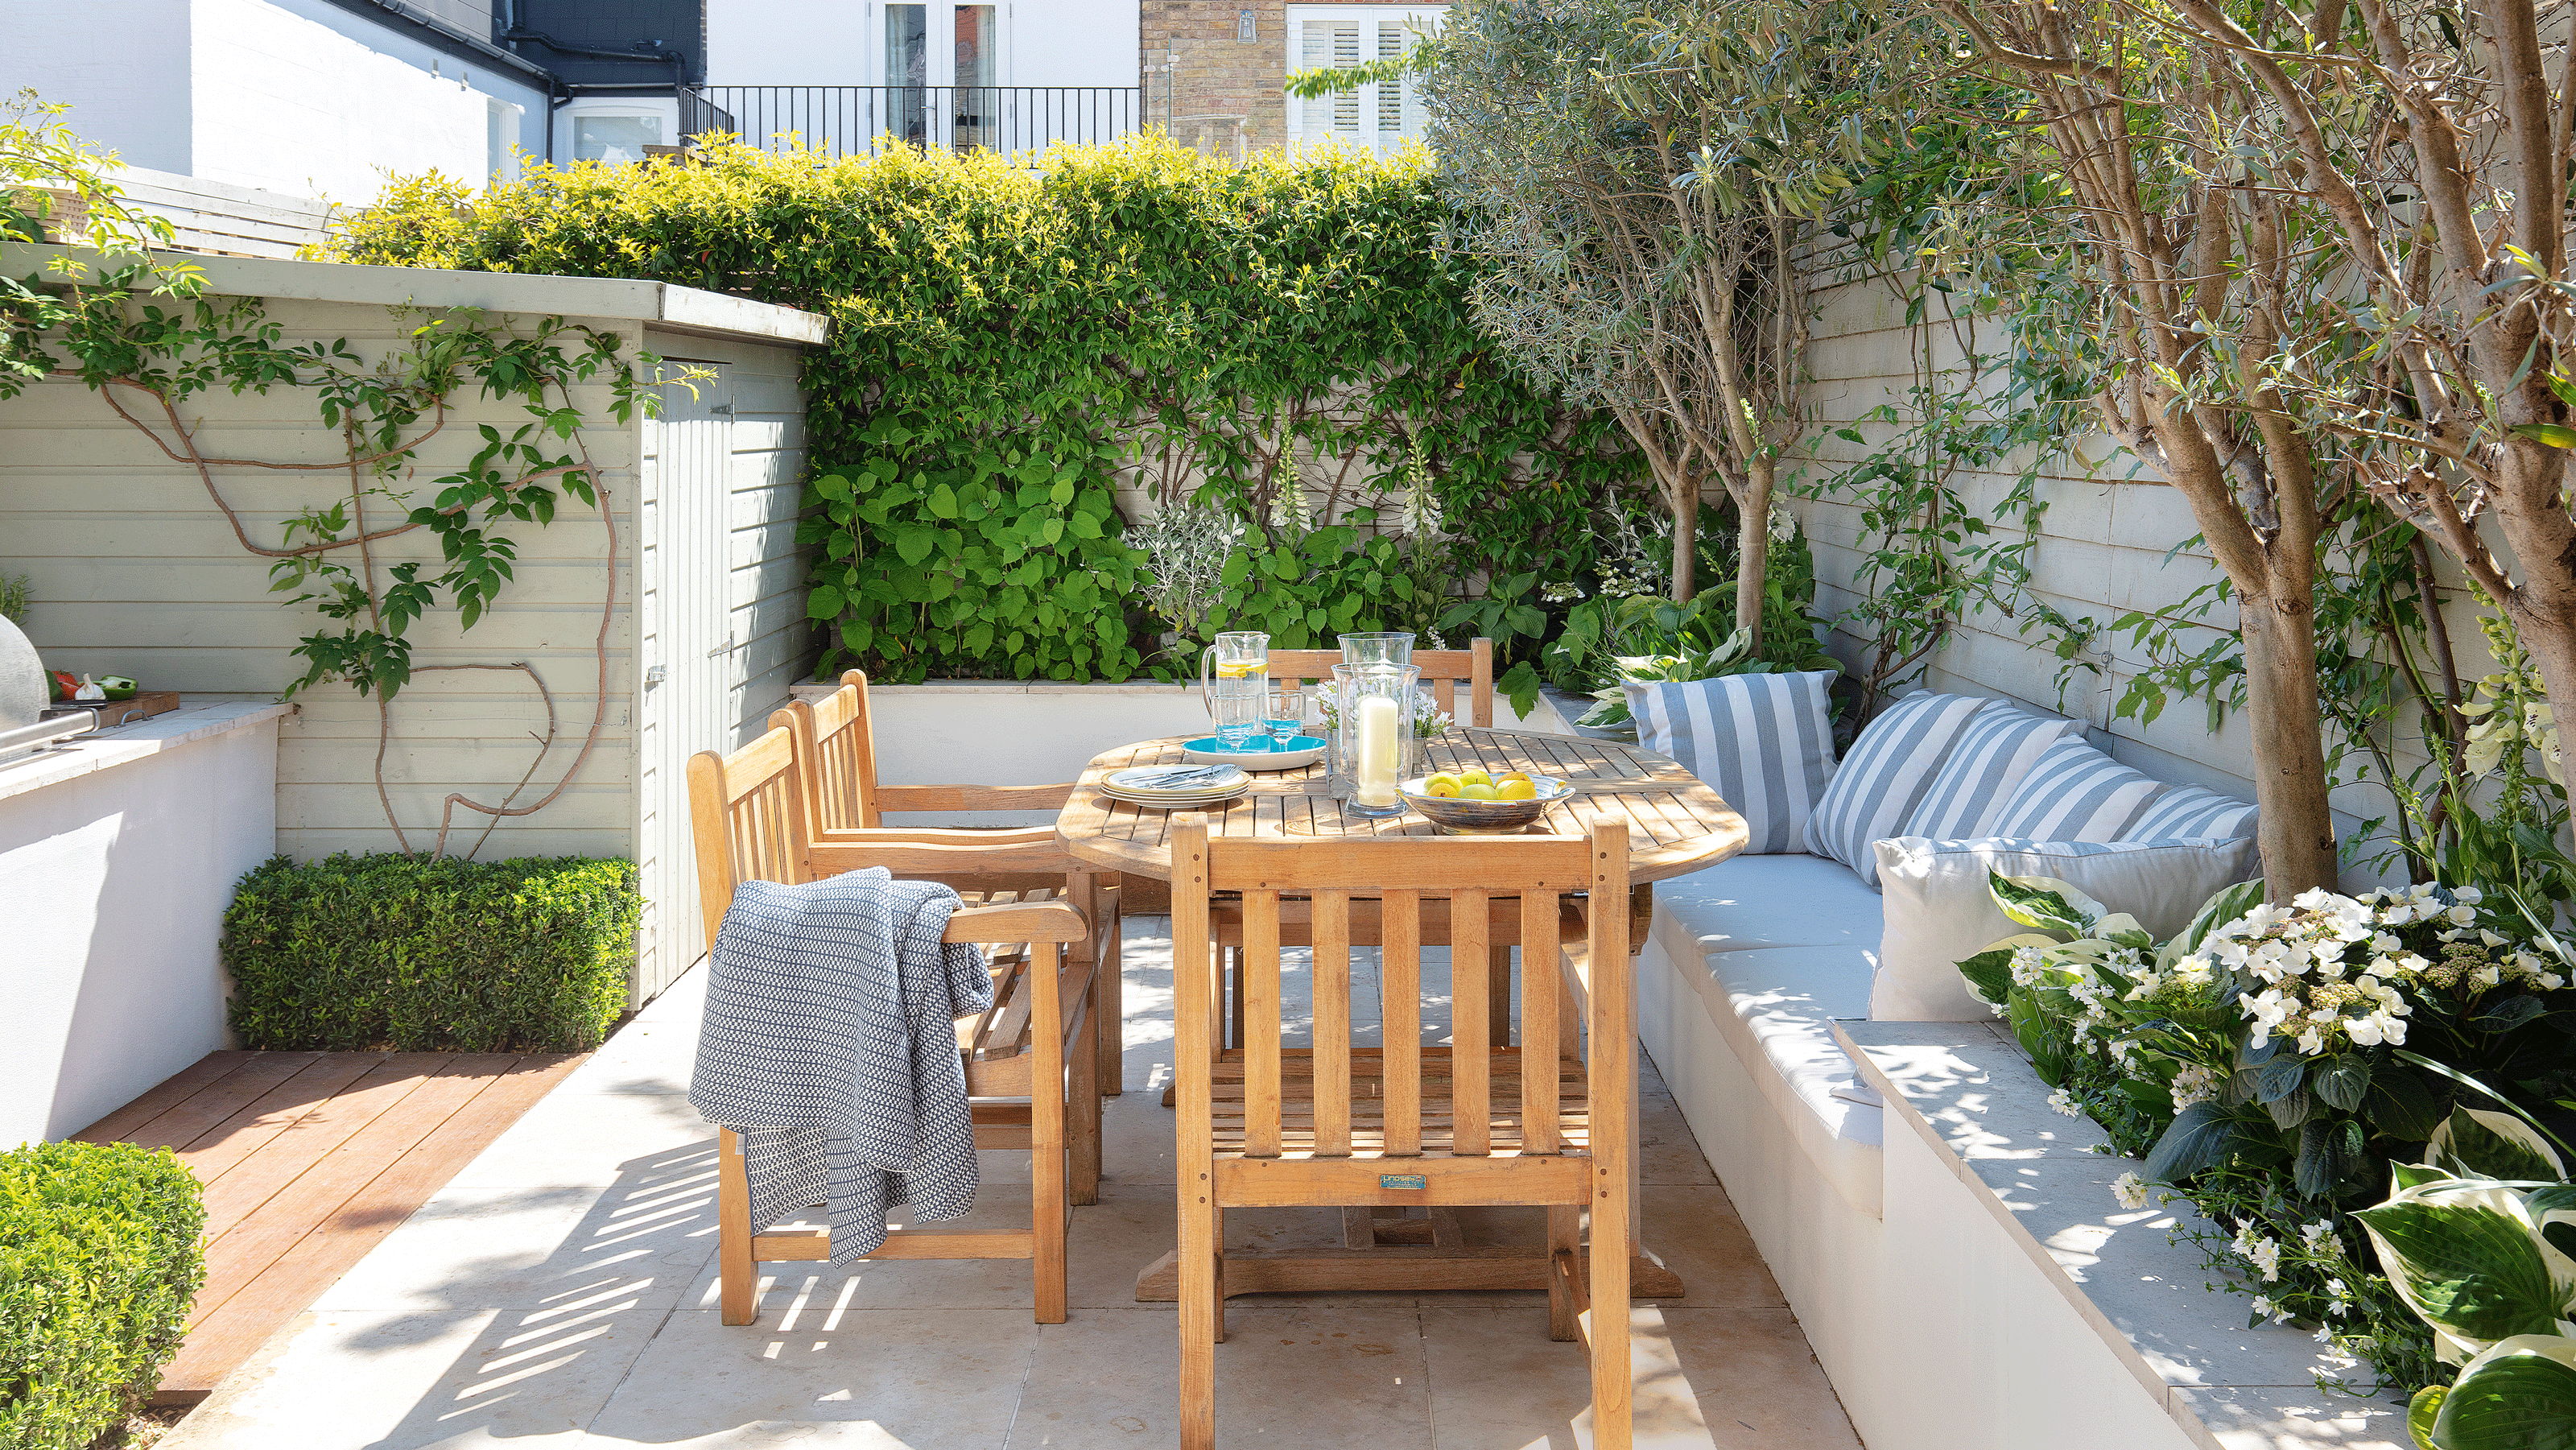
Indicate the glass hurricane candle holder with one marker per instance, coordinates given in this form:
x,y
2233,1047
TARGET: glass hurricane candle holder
x,y
1373,744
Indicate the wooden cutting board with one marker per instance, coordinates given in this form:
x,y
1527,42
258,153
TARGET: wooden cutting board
x,y
144,705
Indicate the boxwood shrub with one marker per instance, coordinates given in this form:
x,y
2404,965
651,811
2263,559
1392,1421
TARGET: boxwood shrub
x,y
431,954
98,1264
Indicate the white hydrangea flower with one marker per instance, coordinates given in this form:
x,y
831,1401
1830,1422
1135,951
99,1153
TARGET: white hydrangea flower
x,y
2194,1084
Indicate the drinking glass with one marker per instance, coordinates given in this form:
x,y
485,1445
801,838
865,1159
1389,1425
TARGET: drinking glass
x,y
1287,717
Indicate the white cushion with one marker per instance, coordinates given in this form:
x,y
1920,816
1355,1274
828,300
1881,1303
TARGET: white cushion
x,y
1940,908
1990,757
2075,793
1876,788
1747,903
1764,743
2187,811
1774,1009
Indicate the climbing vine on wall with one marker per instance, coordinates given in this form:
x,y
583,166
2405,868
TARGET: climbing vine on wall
x,y
149,350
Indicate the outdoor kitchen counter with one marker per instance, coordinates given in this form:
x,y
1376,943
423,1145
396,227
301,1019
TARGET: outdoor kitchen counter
x,y
118,854
106,749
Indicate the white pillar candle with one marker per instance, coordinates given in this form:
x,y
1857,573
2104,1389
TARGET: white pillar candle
x,y
1378,751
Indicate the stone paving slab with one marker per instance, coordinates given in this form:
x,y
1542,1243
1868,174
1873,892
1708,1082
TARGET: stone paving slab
x,y
561,1292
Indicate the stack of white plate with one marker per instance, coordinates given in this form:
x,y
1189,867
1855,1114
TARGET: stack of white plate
x,y
1174,787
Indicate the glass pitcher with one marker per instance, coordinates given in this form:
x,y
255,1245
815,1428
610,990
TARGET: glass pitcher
x,y
1373,734
1234,682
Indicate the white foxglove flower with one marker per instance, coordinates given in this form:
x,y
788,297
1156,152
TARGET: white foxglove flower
x,y
2130,1190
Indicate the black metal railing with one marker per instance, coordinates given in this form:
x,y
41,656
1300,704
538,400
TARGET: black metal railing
x,y
848,120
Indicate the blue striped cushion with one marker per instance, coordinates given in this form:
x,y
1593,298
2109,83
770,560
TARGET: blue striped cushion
x,y
2187,810
1876,788
2076,793
1989,758
1764,742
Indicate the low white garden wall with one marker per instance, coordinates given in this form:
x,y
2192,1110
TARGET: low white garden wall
x,y
118,854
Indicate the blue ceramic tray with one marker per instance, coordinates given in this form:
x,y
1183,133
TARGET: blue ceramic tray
x,y
1304,750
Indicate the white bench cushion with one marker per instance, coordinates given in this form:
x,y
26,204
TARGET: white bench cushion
x,y
1752,902
1774,1000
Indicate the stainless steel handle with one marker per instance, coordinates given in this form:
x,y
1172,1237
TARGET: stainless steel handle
x,y
46,732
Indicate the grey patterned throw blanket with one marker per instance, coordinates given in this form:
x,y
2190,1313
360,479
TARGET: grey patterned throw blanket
x,y
828,1043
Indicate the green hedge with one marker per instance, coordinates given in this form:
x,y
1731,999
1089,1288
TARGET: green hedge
x,y
1008,343
431,954
98,1263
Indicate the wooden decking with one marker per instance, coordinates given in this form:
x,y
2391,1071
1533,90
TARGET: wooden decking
x,y
309,1158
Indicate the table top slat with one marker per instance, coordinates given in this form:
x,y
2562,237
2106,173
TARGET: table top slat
x,y
1676,823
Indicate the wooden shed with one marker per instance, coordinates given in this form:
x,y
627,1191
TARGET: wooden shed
x,y
684,593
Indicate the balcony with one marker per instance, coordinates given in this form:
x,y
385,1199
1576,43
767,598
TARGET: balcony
x,y
852,120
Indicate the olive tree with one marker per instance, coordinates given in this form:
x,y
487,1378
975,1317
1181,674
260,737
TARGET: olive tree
x,y
1634,181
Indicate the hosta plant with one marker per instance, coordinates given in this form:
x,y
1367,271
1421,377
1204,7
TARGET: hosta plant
x,y
2479,1239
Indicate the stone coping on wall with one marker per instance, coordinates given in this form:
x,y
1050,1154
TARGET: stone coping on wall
x,y
1968,1091
106,749
665,304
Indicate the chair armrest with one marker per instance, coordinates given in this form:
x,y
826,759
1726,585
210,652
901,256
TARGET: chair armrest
x,y
973,797
1039,921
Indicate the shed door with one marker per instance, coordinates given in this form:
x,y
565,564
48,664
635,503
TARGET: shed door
x,y
686,634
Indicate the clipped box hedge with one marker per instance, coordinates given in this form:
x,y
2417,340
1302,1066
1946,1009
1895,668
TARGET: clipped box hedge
x,y
431,954
99,1262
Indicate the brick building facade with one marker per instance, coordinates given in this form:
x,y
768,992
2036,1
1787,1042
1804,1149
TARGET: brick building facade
x,y
1217,65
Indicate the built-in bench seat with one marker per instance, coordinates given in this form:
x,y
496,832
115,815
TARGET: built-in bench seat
x,y
1747,971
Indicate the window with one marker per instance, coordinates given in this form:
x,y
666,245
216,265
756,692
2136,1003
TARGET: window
x,y
1380,117
943,68
500,141
614,139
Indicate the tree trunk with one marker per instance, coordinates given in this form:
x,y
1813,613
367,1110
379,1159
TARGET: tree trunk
x,y
1684,500
1753,549
2297,828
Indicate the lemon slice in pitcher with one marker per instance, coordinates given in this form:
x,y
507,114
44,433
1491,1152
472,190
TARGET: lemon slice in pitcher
x,y
1237,669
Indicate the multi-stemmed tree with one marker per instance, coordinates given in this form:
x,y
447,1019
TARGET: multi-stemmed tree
x,y
2328,242
1637,183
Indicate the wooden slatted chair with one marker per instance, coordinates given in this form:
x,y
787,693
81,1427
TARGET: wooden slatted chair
x,y
1405,1124
1443,672
748,812
836,750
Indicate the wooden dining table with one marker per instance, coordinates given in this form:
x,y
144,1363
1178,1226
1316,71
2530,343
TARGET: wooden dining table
x,y
1676,825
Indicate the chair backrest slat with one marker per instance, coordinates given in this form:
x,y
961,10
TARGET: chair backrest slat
x,y
747,818
1420,1100
1470,1066
1444,670
1261,1024
1540,1038
1332,974
1400,1009
834,733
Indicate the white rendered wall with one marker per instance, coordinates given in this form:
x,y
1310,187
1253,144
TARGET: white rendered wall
x,y
121,65
1073,43
285,104
113,885
789,43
